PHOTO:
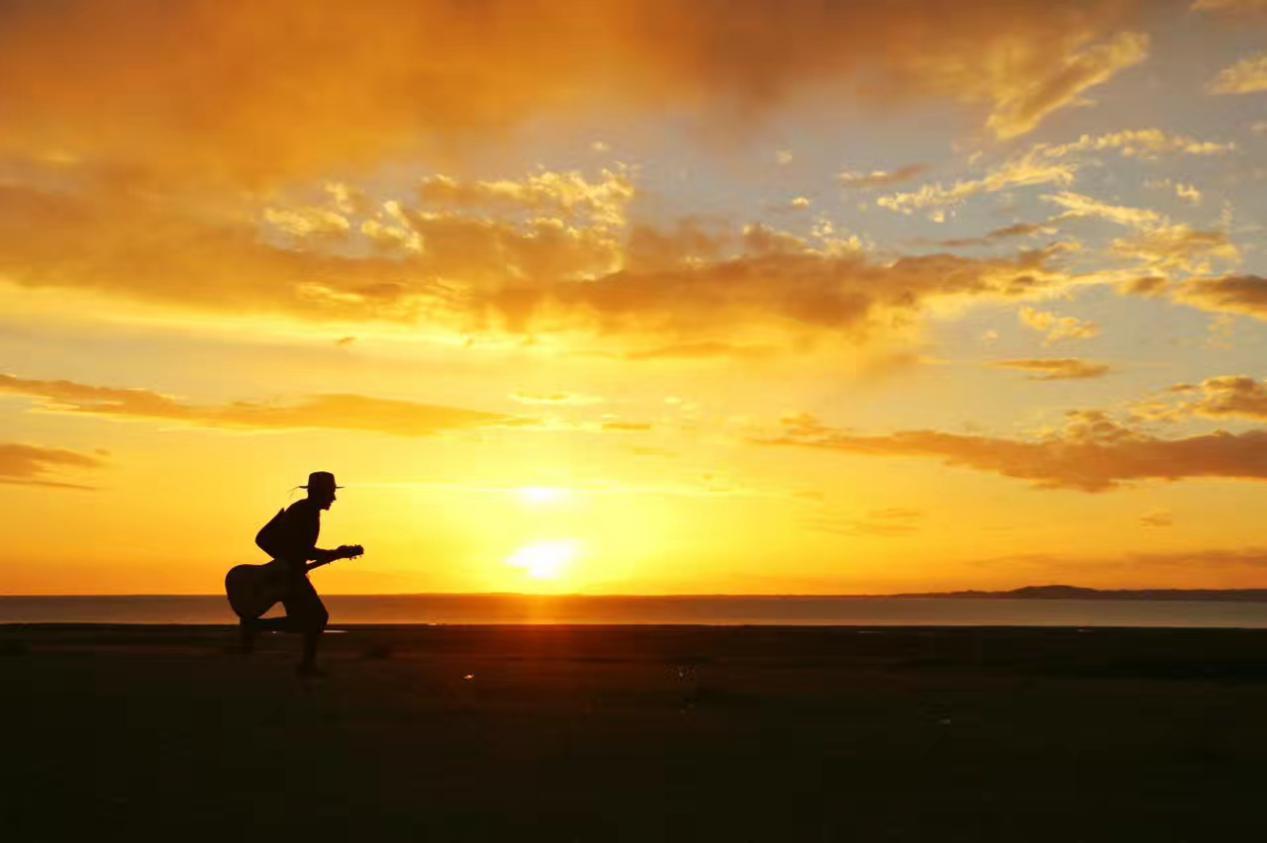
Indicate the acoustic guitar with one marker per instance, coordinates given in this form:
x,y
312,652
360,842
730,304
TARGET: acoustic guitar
x,y
253,589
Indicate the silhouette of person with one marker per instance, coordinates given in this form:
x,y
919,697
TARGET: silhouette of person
x,y
294,545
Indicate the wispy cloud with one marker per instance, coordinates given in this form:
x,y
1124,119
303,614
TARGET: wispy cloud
x,y
699,351
34,465
891,522
328,412
524,396
881,178
1046,163
1056,328
1055,368
568,194
1247,76
1243,294
1020,172
1160,246
1020,229
1023,105
1092,453
1078,205
1230,7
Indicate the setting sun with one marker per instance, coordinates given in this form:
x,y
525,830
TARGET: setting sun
x,y
545,560
543,494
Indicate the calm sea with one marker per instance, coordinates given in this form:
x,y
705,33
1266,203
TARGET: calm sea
x,y
715,611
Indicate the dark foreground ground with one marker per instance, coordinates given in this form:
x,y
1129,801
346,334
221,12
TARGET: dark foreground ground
x,y
640,734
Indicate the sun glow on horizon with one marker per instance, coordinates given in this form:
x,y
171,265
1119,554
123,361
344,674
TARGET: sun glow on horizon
x,y
543,494
546,561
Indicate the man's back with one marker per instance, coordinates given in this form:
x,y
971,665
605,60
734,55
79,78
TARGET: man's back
x,y
301,524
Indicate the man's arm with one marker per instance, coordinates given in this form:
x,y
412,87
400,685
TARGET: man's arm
x,y
324,557
309,566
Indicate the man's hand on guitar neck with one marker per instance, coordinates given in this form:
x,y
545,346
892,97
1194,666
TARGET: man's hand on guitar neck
x,y
325,557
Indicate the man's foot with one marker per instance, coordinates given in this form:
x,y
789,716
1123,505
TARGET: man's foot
x,y
309,671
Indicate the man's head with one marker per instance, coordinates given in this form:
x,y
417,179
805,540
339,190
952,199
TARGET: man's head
x,y
321,488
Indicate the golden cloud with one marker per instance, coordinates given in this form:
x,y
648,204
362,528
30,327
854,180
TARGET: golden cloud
x,y
31,465
626,426
700,351
1187,193
1092,453
1230,6
554,398
556,193
1055,368
1056,328
1136,143
471,270
1240,397
308,222
148,249
881,178
1024,103
1045,163
774,286
1020,229
1162,247
1247,76
1244,294
1078,205
145,248
324,412
891,522
1145,285
1025,171
261,92
1179,248
1225,396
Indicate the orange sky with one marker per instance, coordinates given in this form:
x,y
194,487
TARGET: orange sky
x,y
636,297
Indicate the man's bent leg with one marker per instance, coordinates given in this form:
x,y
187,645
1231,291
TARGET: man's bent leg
x,y
307,614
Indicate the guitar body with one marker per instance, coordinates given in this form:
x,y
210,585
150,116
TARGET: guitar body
x,y
253,589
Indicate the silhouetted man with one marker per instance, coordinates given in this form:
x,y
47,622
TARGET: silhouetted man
x,y
291,539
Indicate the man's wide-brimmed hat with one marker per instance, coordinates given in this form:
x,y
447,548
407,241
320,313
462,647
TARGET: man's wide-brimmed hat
x,y
321,481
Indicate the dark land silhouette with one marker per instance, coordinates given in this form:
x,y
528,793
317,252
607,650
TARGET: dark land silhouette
x,y
1073,592
635,734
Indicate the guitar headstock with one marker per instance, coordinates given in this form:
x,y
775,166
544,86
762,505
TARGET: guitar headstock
x,y
349,551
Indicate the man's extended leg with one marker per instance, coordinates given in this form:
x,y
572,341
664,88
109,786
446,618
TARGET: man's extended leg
x,y
251,627
285,624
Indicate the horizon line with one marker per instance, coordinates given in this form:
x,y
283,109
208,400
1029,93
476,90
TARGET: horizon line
x,y
664,595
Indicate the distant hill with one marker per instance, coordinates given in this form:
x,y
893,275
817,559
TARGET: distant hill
x,y
1073,592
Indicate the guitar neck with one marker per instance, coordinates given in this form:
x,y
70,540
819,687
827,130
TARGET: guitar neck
x,y
309,566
